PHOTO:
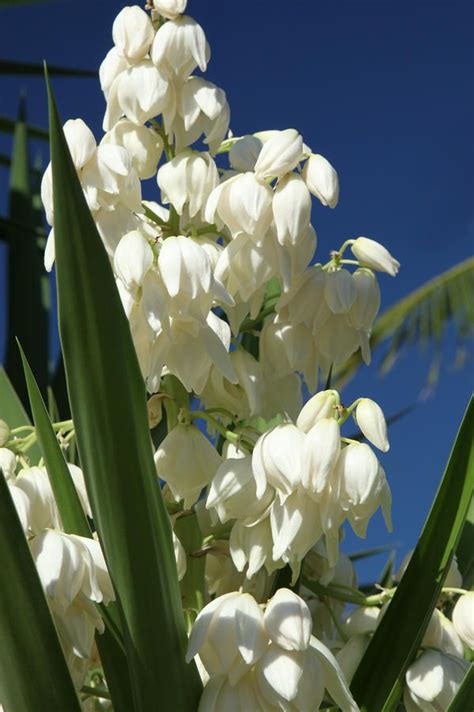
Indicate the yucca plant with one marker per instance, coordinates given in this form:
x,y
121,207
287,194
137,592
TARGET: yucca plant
x,y
192,562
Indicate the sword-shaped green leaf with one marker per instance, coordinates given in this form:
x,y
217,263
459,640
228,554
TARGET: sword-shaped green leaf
x,y
74,521
33,671
108,403
464,699
397,638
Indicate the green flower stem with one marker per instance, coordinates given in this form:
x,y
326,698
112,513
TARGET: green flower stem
x,y
348,411
352,595
336,622
96,692
349,596
268,309
193,584
232,437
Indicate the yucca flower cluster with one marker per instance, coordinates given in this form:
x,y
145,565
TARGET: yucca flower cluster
x,y
217,276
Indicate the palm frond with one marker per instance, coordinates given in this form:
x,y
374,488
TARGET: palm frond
x,y
421,318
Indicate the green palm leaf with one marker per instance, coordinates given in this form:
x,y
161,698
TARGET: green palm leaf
x,y
422,317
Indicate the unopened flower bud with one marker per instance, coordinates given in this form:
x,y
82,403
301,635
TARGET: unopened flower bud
x,y
361,621
374,255
7,463
4,433
463,618
133,32
279,155
320,406
371,420
170,8
322,180
155,409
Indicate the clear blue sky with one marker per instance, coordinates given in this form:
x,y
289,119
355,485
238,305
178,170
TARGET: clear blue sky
x,y
383,89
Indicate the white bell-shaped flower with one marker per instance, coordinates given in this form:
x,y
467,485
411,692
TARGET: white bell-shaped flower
x,y
321,179
375,256
133,33
280,154
291,209
276,460
132,259
233,492
441,634
340,291
251,547
179,47
187,462
322,446
244,153
366,305
243,204
186,271
229,636
362,485
113,64
322,405
188,179
371,420
140,93
108,178
34,481
463,618
432,681
208,341
144,145
7,463
202,108
288,620
296,527
170,8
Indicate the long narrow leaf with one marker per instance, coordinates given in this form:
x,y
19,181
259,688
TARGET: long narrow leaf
x,y
75,522
408,614
464,699
107,397
33,671
465,549
69,506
